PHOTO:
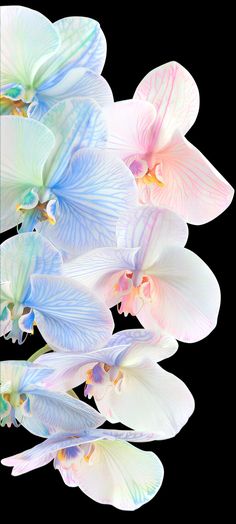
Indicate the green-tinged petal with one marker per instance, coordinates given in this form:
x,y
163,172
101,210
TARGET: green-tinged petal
x,y
119,474
25,146
76,124
83,44
78,82
24,255
28,39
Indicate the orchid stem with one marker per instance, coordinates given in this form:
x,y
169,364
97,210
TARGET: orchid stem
x,y
38,353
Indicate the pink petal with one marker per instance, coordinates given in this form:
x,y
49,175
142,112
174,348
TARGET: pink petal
x,y
174,93
193,188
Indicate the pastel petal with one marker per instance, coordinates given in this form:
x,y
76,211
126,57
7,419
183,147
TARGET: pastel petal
x,y
164,404
120,474
82,44
92,193
193,188
174,93
93,266
75,124
68,316
28,40
26,461
70,369
23,255
186,296
129,125
152,229
61,412
79,82
142,344
25,146
19,374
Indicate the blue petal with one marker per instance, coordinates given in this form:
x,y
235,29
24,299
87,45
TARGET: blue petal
x,y
75,124
61,412
69,317
79,82
92,194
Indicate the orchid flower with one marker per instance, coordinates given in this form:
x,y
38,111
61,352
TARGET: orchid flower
x,y
148,133
152,276
34,290
53,179
126,370
24,400
101,462
43,63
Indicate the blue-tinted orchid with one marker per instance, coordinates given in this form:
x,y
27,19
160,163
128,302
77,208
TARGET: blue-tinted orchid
x,y
56,178
124,371
101,463
43,63
25,400
152,276
35,291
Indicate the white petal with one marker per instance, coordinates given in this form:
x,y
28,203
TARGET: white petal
x,y
164,402
152,229
186,297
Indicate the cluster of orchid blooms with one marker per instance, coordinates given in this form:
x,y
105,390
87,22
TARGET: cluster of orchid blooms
x,y
100,192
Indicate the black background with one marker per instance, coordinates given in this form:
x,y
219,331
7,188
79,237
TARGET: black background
x,y
196,461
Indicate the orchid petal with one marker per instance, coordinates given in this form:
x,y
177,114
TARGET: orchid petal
x,y
69,317
70,369
91,195
186,296
174,93
79,82
98,263
129,125
25,146
193,187
20,374
119,474
152,229
142,344
61,412
23,255
164,405
75,124
82,44
28,40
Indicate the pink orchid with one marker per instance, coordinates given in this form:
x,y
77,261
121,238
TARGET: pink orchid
x,y
152,276
148,133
